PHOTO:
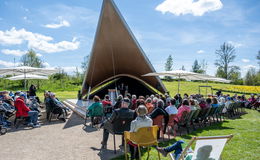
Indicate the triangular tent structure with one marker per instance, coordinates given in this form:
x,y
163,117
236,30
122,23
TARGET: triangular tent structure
x,y
116,55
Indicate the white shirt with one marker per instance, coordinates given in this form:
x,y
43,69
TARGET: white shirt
x,y
140,122
171,110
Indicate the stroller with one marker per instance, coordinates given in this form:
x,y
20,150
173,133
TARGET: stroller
x,y
6,111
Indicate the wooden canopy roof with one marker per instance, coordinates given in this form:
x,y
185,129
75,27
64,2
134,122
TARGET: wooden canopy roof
x,y
116,52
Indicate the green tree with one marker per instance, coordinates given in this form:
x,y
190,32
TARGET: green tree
x,y
226,55
195,67
31,59
199,68
252,77
168,67
84,64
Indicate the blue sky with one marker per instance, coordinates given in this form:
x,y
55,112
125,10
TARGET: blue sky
x,y
62,32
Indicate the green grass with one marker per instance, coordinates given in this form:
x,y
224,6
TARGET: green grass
x,y
62,95
243,146
193,87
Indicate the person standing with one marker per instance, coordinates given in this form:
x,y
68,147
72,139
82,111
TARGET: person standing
x,y
32,90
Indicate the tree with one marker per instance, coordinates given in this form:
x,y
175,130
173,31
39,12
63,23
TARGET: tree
x,y
195,66
168,67
199,68
226,55
183,68
84,64
252,77
31,59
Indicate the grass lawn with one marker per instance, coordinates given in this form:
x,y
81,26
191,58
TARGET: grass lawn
x,y
243,146
246,129
193,87
62,95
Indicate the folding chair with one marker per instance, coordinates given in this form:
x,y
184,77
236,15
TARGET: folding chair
x,y
171,125
159,122
144,137
205,148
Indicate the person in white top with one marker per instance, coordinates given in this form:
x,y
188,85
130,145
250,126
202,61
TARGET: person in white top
x,y
171,109
141,121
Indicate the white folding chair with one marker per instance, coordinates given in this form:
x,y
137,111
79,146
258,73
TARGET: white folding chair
x,y
206,148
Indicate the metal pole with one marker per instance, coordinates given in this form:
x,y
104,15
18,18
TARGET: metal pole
x,y
179,85
207,88
89,89
24,80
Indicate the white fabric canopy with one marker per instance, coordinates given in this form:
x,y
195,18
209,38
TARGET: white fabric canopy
x,y
27,76
26,69
180,74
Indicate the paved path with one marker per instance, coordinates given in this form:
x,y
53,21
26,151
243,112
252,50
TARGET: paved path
x,y
56,141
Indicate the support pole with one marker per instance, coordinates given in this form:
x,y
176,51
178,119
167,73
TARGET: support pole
x,y
24,80
89,88
179,85
207,88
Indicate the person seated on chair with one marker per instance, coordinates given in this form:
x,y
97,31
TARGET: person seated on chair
x,y
106,101
118,102
159,110
95,109
193,106
107,106
141,121
176,147
149,105
118,114
214,103
183,108
208,103
171,109
54,108
60,104
24,111
134,105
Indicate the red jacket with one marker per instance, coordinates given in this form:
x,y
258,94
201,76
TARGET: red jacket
x,y
106,102
22,109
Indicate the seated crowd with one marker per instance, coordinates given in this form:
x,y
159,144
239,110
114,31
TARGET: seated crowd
x,y
25,106
140,112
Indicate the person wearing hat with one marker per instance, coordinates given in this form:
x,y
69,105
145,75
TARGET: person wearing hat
x,y
24,111
142,120
118,114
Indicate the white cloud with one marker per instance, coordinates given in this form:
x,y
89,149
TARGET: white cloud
x,y
13,52
245,60
8,64
69,69
36,41
62,23
182,7
38,54
200,51
249,66
46,64
235,44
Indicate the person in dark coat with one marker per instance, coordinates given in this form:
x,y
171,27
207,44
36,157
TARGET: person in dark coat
x,y
32,90
118,114
159,110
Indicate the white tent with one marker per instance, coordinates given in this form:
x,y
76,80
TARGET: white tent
x,y
24,70
27,76
181,74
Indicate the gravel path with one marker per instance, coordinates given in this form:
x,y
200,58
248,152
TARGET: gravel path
x,y
56,141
